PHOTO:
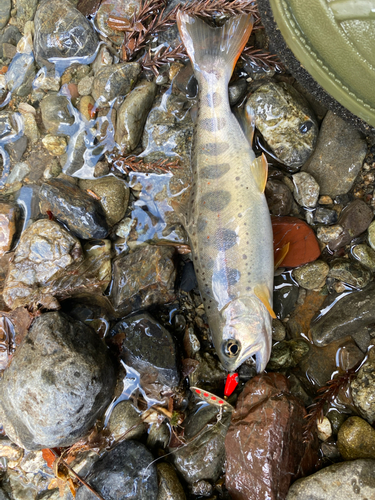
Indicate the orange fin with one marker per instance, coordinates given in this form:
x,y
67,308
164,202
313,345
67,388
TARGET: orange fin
x,y
281,254
261,291
259,169
250,123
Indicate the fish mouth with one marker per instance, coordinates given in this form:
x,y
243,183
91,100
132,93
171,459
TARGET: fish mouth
x,y
255,349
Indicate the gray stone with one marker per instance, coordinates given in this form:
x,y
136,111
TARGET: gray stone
x,y
119,8
285,294
9,50
349,272
20,74
55,112
64,377
131,116
338,156
363,388
62,31
85,85
18,172
25,11
17,148
343,481
325,216
279,197
115,80
278,330
287,354
5,6
312,276
125,422
306,192
169,485
124,473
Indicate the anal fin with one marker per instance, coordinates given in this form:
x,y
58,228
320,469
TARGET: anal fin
x,y
261,291
259,169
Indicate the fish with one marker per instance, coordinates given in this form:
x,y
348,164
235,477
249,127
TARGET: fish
x,y
227,217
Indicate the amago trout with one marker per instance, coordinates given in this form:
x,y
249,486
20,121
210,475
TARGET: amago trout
x,y
227,219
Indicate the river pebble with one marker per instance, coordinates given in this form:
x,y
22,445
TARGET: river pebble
x,y
125,421
124,473
54,144
365,256
325,216
350,273
287,354
324,428
55,352
279,197
285,295
264,466
354,219
363,388
371,235
312,276
338,156
115,80
170,487
115,8
5,6
306,192
356,439
55,112
85,85
8,219
143,278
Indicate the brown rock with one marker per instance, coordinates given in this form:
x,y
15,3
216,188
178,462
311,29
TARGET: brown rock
x,y
264,443
355,219
8,215
356,439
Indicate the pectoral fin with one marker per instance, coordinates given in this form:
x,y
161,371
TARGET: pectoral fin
x,y
281,254
261,291
259,169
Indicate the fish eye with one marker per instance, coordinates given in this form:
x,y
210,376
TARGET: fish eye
x,y
306,126
231,348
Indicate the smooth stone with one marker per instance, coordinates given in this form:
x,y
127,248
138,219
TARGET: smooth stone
x,y
363,388
54,144
303,245
55,112
348,315
85,85
115,80
85,106
44,253
125,422
18,172
104,58
371,235
209,373
55,352
365,256
338,156
31,130
9,50
356,439
312,276
349,272
306,190
132,115
8,219
286,121
329,234
170,487
115,8
325,216
279,198
126,472
62,31
324,428
20,74
343,481
148,347
278,330
16,149
78,210
143,278
204,456
25,11
159,436
5,6
264,443
307,307
287,354
285,295
47,81
114,196
237,91
354,219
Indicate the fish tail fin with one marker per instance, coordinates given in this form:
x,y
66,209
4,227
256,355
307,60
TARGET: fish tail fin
x,y
214,49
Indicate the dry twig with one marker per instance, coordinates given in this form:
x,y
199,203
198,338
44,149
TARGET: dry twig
x,y
135,164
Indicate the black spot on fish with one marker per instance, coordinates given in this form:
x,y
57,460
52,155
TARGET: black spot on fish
x,y
237,178
225,239
212,100
244,256
215,171
215,148
213,124
216,200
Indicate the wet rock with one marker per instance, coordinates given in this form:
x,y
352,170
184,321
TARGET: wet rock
x,y
143,278
115,8
303,245
300,318
18,172
287,354
202,489
44,252
286,122
365,256
237,91
324,428
54,144
25,11
343,481
279,197
312,276
159,435
325,216
330,234
5,6
278,330
57,356
356,439
30,128
115,80
350,273
354,219
347,316
363,388
306,190
8,219
204,456
62,31
285,295
125,472
16,149
85,85
85,106
169,485
371,235
132,116
338,156
264,466
125,422
148,347
209,374
78,210
114,196
55,112
9,50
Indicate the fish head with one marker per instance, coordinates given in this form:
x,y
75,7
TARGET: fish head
x,y
247,331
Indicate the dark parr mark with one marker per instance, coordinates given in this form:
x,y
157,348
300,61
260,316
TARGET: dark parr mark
x,y
201,225
225,239
215,148
212,100
216,200
215,171
227,277
213,124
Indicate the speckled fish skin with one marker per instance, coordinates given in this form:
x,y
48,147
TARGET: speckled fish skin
x,y
227,219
